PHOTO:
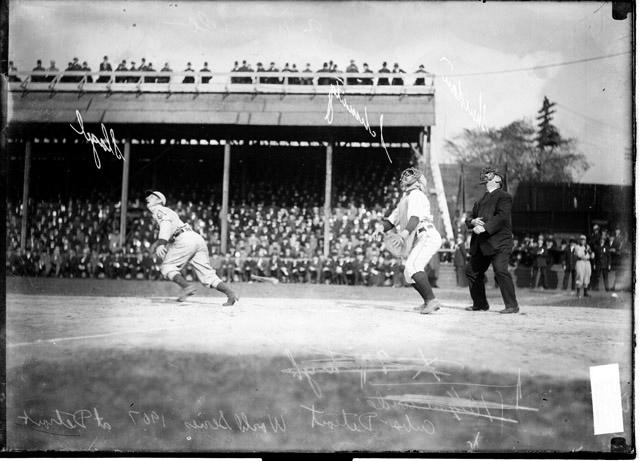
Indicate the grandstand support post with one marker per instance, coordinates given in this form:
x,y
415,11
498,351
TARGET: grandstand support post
x,y
25,194
224,218
432,161
124,198
327,200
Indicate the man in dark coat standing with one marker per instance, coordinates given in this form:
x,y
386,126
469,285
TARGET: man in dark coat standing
x,y
491,243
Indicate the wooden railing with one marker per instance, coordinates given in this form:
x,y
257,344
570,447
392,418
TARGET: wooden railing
x,y
227,82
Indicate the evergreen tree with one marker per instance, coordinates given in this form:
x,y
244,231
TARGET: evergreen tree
x,y
548,135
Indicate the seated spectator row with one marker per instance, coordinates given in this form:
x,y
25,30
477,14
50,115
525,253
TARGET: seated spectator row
x,y
329,67
79,238
50,73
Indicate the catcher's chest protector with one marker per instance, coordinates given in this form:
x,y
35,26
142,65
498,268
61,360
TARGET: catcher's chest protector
x,y
403,207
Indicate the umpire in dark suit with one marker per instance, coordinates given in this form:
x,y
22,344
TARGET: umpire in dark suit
x,y
491,243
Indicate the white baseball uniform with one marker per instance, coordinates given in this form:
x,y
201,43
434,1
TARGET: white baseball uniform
x,y
425,240
184,246
583,266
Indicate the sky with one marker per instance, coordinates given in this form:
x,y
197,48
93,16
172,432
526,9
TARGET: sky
x,y
452,39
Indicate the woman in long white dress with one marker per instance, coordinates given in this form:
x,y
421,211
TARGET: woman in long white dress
x,y
584,255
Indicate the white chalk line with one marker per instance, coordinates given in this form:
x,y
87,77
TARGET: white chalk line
x,y
101,335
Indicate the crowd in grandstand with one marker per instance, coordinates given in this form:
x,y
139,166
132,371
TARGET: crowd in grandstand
x,y
144,66
80,238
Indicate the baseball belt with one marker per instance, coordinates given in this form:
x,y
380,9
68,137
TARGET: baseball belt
x,y
179,231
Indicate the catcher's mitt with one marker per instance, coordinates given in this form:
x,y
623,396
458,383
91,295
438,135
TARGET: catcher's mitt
x,y
395,244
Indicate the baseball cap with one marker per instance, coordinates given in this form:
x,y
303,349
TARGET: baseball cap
x,y
159,195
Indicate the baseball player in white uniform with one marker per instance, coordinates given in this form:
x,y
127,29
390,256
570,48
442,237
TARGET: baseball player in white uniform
x,y
179,245
413,220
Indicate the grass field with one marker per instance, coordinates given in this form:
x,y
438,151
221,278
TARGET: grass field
x,y
295,368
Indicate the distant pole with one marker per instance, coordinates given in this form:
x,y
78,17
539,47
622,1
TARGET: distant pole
x,y
224,219
464,189
25,194
327,199
426,145
124,199
506,177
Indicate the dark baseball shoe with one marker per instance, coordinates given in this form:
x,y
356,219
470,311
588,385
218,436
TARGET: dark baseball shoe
x,y
474,308
187,291
430,307
231,300
509,310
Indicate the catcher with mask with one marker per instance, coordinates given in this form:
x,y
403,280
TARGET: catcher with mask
x,y
416,239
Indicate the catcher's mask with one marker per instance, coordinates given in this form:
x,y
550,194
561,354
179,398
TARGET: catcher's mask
x,y
412,178
490,174
155,198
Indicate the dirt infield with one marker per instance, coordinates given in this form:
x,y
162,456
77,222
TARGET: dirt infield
x,y
342,372
149,289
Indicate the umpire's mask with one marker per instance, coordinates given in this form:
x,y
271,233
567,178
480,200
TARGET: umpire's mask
x,y
489,174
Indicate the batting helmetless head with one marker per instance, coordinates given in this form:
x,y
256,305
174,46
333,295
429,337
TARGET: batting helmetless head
x,y
489,173
412,177
155,198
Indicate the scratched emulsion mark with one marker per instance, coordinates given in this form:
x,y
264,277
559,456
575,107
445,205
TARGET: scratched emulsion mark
x,y
104,142
479,115
335,92
335,363
474,445
456,405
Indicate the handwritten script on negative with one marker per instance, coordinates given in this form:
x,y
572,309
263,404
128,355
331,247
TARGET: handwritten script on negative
x,y
107,143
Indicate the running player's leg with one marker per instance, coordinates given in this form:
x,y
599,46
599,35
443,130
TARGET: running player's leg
x,y
207,275
178,255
